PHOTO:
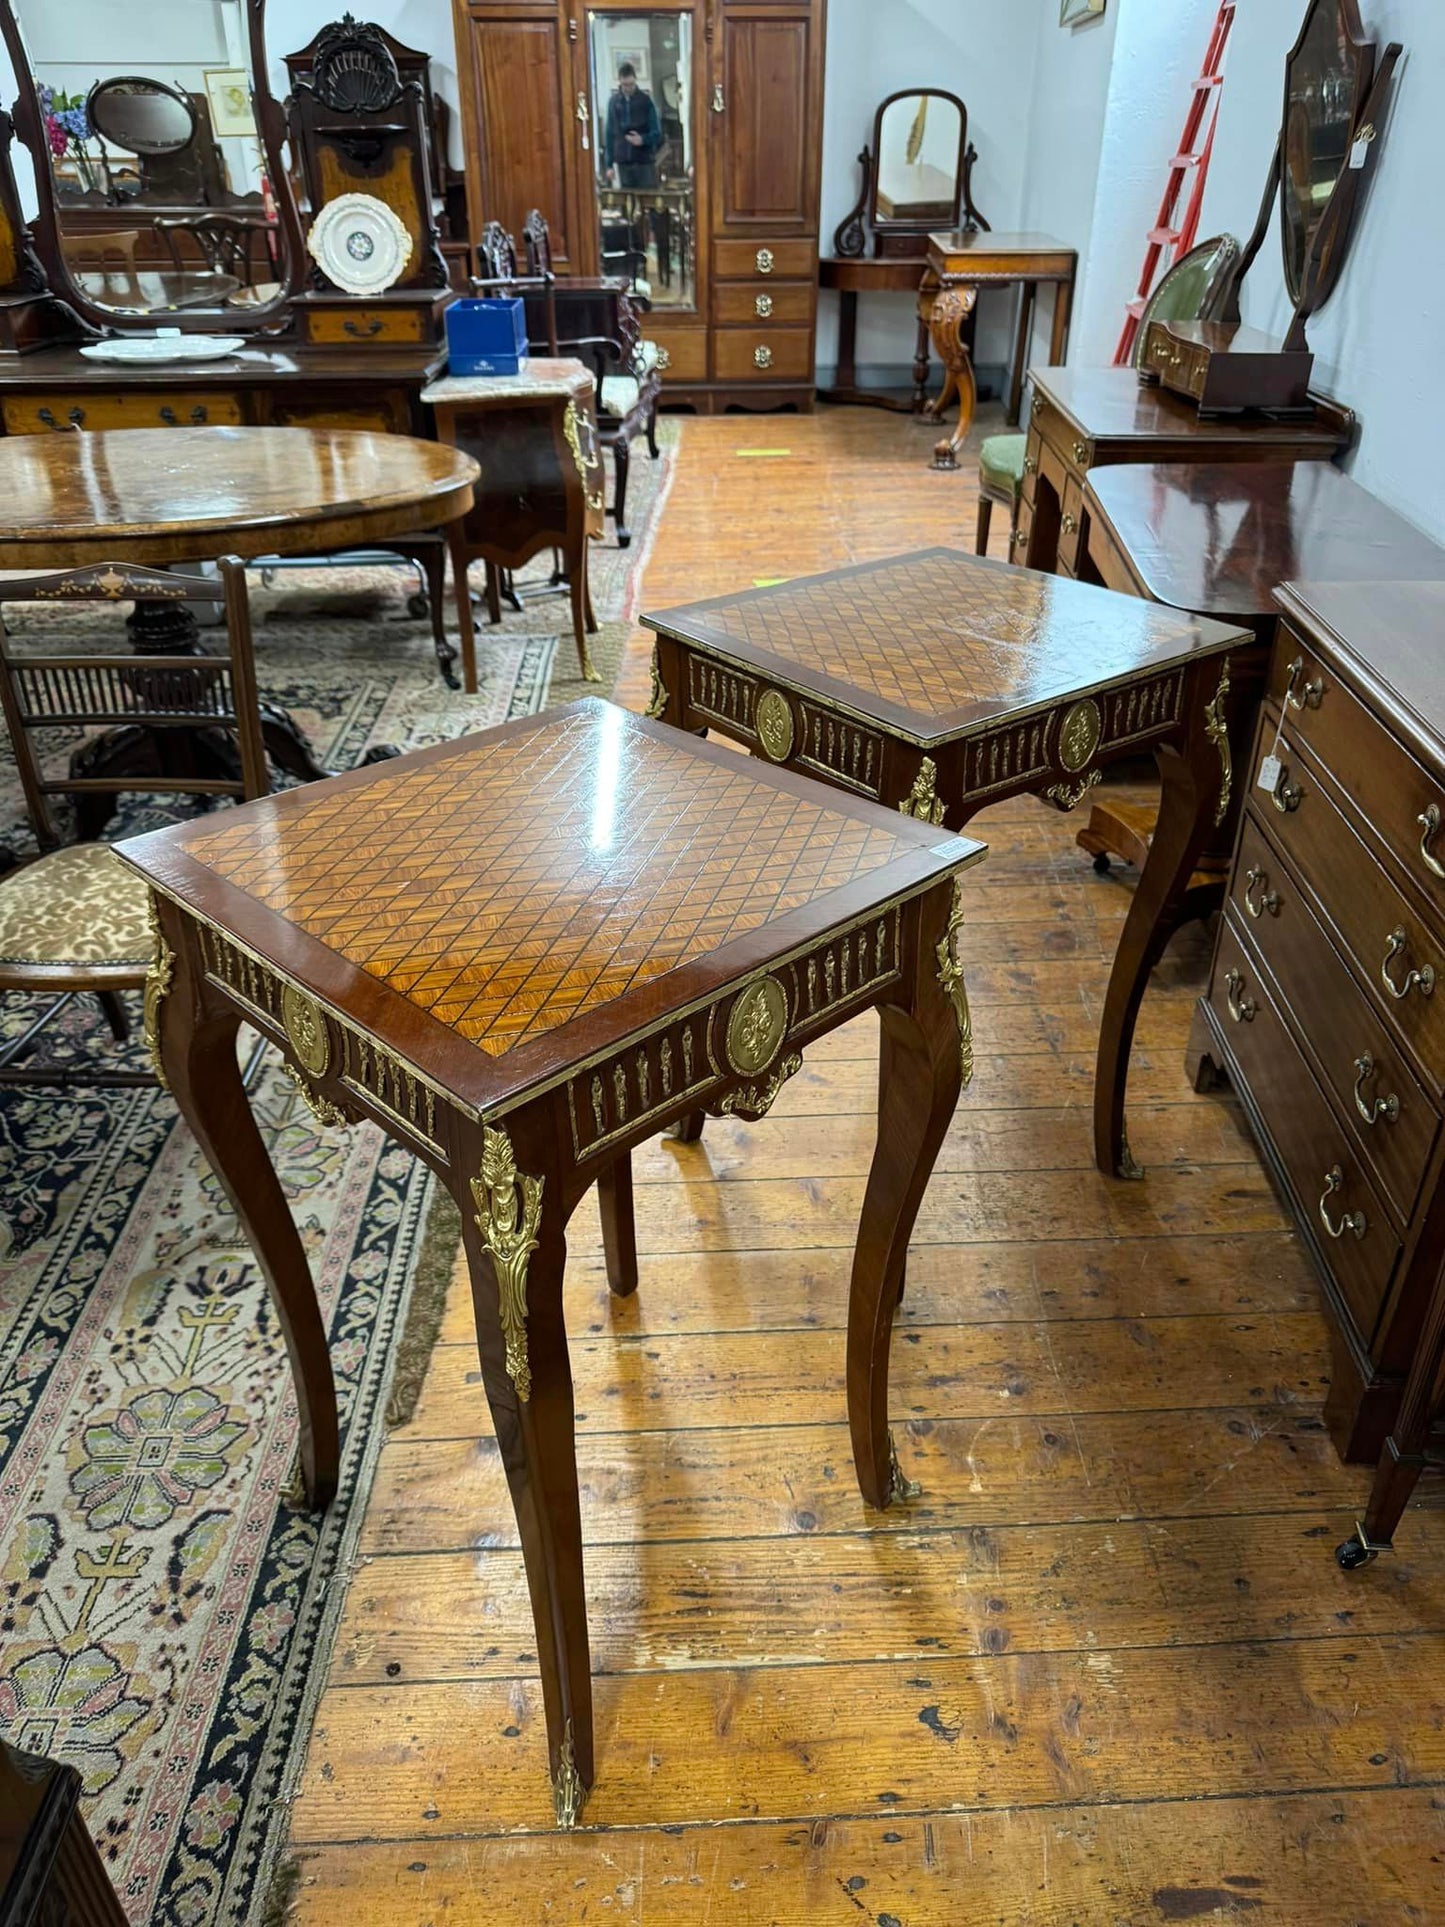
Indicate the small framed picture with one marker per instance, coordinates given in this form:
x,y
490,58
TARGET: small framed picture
x,y
1071,12
228,89
641,60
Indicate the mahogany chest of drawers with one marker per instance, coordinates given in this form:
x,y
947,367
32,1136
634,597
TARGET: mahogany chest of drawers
x,y
1326,1000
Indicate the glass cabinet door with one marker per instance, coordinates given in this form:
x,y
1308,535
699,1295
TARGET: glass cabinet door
x,y
644,151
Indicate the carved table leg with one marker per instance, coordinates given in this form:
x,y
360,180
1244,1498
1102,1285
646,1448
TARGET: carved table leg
x,y
192,1032
513,1214
619,1228
927,1056
1197,778
952,307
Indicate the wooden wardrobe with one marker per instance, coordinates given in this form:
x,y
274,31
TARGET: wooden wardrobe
x,y
733,314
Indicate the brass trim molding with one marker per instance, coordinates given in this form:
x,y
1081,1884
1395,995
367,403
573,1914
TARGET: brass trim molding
x,y
568,1792
157,987
923,800
1068,796
950,976
899,1486
1129,1165
1217,730
752,1101
306,1030
657,701
509,1209
321,1108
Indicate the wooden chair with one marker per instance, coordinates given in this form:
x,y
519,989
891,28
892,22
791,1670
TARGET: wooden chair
x,y
1193,290
593,318
75,920
222,241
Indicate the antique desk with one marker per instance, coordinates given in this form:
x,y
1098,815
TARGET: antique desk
x,y
71,501
533,436
939,683
1088,418
1326,1000
616,925
963,260
1216,539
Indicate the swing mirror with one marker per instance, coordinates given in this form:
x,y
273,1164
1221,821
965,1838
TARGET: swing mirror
x,y
919,139
1326,79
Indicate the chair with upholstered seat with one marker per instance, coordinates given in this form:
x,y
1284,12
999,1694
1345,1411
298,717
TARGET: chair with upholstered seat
x,y
75,920
1193,290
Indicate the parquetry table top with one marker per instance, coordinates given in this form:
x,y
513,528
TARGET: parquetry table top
x,y
937,643
512,884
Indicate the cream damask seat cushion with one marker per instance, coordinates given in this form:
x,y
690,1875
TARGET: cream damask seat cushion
x,y
78,907
619,395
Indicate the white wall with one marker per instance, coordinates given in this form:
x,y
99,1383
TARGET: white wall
x,y
1377,339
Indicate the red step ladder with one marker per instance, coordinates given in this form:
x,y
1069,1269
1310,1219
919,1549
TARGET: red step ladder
x,y
1169,231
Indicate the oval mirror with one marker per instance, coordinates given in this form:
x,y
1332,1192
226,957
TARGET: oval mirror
x,y
1326,78
919,141
141,116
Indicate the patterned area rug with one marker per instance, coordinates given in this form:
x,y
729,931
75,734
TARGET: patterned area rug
x,y
166,1605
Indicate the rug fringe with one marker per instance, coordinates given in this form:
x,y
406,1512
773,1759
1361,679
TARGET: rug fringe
x,y
440,1243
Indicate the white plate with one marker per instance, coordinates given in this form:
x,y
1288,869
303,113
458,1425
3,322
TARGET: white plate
x,y
360,244
164,348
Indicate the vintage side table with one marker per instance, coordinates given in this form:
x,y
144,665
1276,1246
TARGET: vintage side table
x,y
617,925
1216,539
1088,418
939,683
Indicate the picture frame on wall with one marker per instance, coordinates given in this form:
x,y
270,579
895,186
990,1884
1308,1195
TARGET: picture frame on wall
x,y
228,90
641,58
1072,12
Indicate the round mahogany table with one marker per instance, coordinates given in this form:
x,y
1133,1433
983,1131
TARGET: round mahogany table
x,y
177,495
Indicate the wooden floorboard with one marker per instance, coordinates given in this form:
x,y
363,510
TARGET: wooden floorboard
x,y
1102,1670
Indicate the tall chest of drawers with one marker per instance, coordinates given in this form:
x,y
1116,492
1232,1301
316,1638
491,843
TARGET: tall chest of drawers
x,y
1326,1000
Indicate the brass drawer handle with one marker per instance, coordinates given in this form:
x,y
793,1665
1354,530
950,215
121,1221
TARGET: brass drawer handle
x,y
763,357
167,415
75,419
1241,1009
1031,466
763,305
1424,978
1314,689
1081,452
1067,524
372,327
1269,899
1382,1107
1285,795
764,256
719,106
664,361
1350,1220
1429,821
200,413
1019,539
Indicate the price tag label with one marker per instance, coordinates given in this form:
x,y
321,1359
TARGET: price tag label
x,y
1270,771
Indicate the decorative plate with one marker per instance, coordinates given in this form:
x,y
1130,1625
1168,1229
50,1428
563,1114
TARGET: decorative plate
x,y
359,244
170,347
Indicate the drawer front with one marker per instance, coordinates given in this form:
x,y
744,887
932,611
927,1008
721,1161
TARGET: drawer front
x,y
1052,427
1306,1137
1071,515
763,354
385,411
363,325
1397,951
1393,1122
681,352
734,305
1401,802
764,260
38,414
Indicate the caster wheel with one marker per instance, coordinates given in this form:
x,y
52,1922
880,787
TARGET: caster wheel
x,y
1352,1554
1101,864
418,607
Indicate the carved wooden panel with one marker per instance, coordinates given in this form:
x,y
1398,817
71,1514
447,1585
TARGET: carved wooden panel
x,y
520,125
765,165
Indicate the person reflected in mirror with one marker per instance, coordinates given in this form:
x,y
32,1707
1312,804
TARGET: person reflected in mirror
x,y
634,132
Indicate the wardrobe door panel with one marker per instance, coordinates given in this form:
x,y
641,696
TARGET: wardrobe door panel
x,y
765,158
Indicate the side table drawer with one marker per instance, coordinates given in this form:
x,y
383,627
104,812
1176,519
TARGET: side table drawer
x,y
1307,1140
1071,515
763,354
1392,1120
1401,802
1395,949
360,325
39,414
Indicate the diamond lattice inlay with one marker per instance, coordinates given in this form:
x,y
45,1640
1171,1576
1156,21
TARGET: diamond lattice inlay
x,y
939,632
517,883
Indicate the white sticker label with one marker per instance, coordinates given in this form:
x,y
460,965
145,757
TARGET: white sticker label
x,y
1270,771
1358,151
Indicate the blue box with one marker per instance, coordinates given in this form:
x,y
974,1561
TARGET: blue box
x,y
486,337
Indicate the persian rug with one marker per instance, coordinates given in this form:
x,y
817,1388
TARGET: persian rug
x,y
166,1603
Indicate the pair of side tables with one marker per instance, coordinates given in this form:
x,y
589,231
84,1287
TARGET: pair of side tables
x,y
524,952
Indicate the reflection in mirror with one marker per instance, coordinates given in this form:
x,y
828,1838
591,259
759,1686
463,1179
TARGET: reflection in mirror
x,y
1318,115
157,167
643,149
920,157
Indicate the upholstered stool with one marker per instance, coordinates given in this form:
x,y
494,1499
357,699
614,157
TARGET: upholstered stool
x,y
1001,480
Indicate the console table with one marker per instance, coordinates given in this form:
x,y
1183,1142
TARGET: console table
x,y
939,683
618,924
852,275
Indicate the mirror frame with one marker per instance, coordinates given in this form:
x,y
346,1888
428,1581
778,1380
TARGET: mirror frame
x,y
270,130
885,224
132,81
1323,256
